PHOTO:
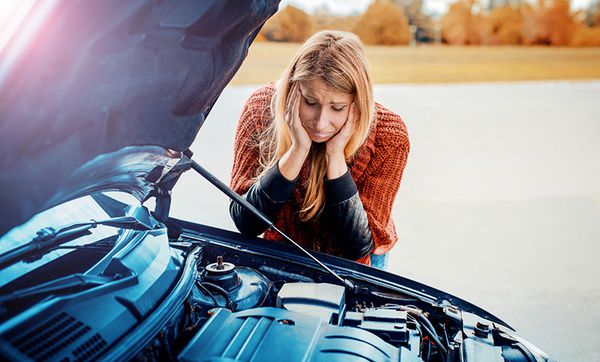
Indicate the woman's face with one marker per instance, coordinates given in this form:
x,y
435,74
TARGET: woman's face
x,y
323,110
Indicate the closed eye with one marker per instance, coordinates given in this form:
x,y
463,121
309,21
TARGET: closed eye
x,y
336,109
309,103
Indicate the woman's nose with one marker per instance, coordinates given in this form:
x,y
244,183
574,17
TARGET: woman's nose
x,y
321,121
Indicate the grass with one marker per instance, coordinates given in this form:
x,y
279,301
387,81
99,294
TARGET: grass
x,y
441,64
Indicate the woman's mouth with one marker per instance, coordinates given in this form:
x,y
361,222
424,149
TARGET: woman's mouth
x,y
319,136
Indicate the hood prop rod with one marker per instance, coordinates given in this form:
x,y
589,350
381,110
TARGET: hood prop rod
x,y
249,207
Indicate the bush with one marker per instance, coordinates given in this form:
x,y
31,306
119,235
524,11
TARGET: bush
x,y
383,24
290,25
460,26
504,26
548,23
585,36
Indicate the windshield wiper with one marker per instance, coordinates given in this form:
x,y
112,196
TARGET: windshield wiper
x,y
48,237
68,282
249,207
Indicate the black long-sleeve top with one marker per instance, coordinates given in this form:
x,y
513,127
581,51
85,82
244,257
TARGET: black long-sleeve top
x,y
343,211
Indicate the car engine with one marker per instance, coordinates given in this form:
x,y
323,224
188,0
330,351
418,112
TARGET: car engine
x,y
193,293
312,315
252,307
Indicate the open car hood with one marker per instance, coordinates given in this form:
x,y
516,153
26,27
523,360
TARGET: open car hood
x,y
98,82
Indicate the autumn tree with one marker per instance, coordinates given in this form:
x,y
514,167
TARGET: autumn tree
x,y
586,36
288,25
504,26
383,23
461,26
548,23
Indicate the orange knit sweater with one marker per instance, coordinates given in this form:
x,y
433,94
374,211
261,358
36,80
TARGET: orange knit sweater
x,y
376,169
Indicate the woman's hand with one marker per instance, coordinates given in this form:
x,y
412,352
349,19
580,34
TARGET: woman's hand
x,y
300,138
338,142
291,162
336,160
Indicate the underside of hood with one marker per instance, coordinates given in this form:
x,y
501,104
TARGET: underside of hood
x,y
79,79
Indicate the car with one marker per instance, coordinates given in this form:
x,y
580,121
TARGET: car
x,y
99,103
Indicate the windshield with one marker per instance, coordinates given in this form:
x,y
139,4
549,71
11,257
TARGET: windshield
x,y
81,209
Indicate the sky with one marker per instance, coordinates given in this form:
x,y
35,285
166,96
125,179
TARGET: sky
x,y
348,7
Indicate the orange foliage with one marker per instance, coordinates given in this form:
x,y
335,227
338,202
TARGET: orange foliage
x,y
548,23
290,25
383,23
586,36
504,26
260,37
460,26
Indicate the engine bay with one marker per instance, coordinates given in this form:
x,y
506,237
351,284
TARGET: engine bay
x,y
190,292
260,307
251,315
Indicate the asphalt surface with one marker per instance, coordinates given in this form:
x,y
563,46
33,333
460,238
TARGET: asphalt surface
x,y
499,204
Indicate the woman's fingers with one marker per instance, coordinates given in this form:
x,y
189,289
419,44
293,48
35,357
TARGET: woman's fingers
x,y
300,137
289,109
352,113
296,104
349,125
291,105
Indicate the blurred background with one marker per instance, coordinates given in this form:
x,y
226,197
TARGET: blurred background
x,y
500,199
441,41
463,22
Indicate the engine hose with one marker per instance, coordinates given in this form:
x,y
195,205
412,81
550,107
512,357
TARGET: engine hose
x,y
221,291
215,303
425,324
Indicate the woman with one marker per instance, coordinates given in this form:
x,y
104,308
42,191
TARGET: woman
x,y
319,157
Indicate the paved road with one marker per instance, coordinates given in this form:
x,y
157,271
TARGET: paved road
x,y
500,202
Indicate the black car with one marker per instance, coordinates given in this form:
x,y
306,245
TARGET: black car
x,y
99,102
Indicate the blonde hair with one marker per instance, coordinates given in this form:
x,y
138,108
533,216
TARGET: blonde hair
x,y
337,59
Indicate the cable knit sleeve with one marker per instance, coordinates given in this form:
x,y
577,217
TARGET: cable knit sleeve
x,y
272,190
379,187
253,120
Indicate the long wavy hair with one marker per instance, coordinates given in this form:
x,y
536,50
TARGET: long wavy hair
x,y
337,59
